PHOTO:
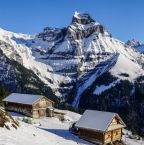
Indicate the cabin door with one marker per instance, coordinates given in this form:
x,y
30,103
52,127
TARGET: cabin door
x,y
49,112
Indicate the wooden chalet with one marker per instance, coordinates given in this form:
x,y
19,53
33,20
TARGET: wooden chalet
x,y
34,106
100,127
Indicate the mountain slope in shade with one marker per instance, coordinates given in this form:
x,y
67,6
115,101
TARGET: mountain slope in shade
x,y
17,78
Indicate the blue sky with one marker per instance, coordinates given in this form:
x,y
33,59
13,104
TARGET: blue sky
x,y
123,18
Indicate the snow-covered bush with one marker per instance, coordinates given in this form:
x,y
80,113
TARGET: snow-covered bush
x,y
27,120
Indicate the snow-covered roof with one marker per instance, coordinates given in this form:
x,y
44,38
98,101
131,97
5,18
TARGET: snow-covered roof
x,y
22,98
95,120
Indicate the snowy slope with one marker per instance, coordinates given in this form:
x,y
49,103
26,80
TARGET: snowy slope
x,y
14,47
102,88
127,66
51,132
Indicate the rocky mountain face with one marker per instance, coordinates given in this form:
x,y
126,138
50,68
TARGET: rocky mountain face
x,y
7,121
81,64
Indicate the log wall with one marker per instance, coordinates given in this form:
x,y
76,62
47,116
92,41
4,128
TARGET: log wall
x,y
92,136
100,137
20,108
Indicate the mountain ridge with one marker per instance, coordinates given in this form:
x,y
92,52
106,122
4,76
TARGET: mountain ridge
x,y
136,44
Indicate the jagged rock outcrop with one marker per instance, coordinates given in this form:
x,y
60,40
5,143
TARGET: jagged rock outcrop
x,y
7,121
136,44
83,26
83,18
54,35
133,43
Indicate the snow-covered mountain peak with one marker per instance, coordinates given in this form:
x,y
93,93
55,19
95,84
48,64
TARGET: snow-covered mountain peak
x,y
83,26
82,18
136,44
133,43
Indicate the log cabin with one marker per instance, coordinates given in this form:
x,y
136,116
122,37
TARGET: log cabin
x,y
35,106
100,127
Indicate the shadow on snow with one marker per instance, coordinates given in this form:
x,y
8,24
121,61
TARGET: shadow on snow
x,y
64,133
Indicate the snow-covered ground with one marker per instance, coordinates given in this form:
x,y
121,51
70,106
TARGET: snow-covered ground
x,y
51,131
128,141
126,66
102,88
